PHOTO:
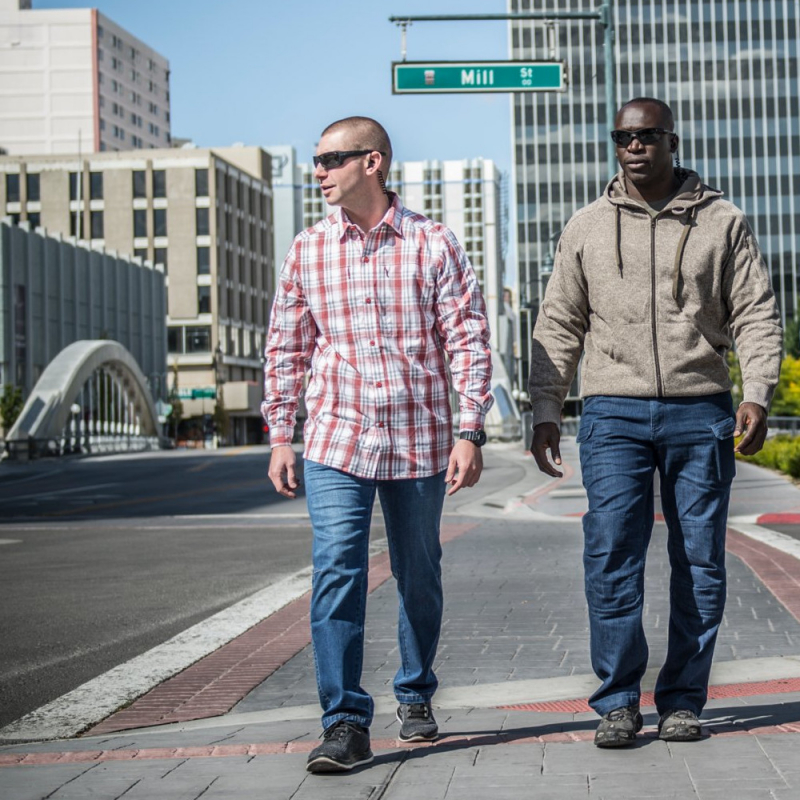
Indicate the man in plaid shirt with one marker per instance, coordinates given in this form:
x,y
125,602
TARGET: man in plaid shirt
x,y
376,301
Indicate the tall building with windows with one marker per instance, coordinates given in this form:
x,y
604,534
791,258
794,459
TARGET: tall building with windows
x,y
464,195
729,71
206,216
73,80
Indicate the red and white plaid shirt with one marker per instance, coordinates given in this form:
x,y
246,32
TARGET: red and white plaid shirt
x,y
373,315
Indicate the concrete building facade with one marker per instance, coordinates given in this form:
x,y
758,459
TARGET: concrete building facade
x,y
206,215
54,291
73,80
464,195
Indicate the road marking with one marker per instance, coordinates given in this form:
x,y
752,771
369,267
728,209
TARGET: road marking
x,y
95,700
200,467
10,541
75,489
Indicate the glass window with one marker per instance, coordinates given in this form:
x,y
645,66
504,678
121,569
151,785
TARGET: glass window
x,y
159,183
139,183
203,261
160,256
201,216
139,222
35,219
203,299
32,181
96,219
96,185
159,221
198,340
175,339
76,225
141,252
201,183
12,187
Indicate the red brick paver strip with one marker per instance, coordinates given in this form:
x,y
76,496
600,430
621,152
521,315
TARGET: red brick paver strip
x,y
446,743
722,692
779,572
213,685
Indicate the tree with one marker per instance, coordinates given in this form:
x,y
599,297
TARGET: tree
x,y
791,336
786,401
176,414
11,404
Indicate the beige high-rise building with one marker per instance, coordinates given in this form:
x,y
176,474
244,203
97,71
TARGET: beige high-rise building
x,y
207,216
73,80
464,195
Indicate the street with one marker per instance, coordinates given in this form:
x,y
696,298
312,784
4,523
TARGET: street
x,y
106,558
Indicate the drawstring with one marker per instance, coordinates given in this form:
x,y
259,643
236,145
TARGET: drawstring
x,y
618,243
676,270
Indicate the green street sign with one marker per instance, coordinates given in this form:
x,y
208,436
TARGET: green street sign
x,y
189,393
438,77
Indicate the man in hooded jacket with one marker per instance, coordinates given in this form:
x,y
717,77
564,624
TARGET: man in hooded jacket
x,y
653,282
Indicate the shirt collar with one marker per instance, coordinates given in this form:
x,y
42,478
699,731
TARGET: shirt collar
x,y
393,218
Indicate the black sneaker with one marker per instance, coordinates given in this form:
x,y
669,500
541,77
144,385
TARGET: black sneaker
x,y
345,745
619,727
679,725
416,722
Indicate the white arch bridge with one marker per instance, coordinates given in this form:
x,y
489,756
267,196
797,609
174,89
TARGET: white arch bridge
x,y
92,398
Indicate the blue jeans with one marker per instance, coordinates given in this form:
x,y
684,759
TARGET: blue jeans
x,y
623,440
340,507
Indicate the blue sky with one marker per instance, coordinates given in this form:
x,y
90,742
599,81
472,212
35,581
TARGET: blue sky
x,y
268,72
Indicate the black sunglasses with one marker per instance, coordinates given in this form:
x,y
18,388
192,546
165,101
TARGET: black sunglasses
x,y
337,157
645,136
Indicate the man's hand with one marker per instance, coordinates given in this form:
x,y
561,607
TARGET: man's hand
x,y
465,466
752,419
546,435
281,470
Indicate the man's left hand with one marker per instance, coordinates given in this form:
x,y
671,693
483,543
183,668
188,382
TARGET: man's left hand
x,y
751,419
465,466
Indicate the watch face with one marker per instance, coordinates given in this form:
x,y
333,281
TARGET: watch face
x,y
476,437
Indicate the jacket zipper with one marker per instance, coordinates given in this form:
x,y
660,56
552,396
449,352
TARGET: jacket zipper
x,y
659,387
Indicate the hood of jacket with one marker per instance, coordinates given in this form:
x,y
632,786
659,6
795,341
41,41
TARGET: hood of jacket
x,y
691,194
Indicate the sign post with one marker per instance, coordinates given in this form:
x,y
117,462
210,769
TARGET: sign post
x,y
432,77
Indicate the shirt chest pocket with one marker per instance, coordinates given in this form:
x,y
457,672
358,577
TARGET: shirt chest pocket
x,y
407,287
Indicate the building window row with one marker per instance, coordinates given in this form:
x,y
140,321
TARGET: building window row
x,y
140,222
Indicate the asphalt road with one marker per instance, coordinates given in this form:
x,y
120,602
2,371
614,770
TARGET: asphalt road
x,y
102,559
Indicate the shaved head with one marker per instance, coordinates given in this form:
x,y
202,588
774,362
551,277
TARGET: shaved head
x,y
665,112
364,133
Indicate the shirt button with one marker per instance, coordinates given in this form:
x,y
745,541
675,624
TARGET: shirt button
x,y
365,259
368,300
378,385
380,425
372,343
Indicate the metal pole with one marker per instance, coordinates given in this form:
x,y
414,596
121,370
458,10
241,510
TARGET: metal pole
x,y
611,80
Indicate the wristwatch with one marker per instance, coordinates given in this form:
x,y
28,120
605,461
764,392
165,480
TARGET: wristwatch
x,y
478,438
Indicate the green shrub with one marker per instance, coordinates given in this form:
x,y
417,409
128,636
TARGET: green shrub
x,y
781,453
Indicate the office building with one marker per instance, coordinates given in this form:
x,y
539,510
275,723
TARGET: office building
x,y
206,216
464,195
72,80
287,189
54,291
729,72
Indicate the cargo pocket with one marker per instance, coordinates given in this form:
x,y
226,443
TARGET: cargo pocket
x,y
723,439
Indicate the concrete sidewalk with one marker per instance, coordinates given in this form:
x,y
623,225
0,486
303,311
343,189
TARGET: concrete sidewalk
x,y
514,669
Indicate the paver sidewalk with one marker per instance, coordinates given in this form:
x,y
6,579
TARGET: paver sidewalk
x,y
514,670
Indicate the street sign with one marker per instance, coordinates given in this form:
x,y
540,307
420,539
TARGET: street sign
x,y
432,77
187,393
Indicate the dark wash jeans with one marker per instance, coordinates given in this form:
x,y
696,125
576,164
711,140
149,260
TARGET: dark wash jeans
x,y
340,507
623,441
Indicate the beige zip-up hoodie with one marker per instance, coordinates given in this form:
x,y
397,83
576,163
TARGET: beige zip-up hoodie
x,y
655,302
